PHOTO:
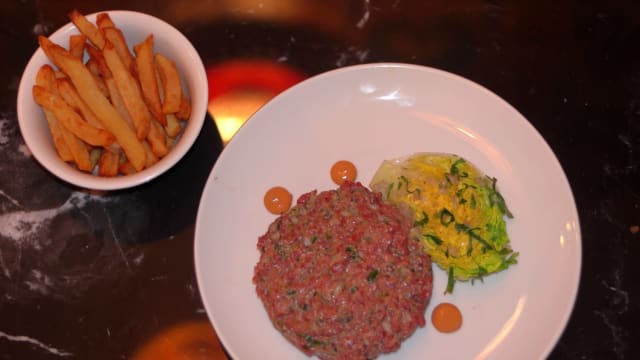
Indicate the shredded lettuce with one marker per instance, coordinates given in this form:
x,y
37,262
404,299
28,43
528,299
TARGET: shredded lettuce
x,y
459,209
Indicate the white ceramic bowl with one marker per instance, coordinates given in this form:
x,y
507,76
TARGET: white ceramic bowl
x,y
136,27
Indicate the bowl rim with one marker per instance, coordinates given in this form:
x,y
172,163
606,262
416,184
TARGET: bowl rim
x,y
194,124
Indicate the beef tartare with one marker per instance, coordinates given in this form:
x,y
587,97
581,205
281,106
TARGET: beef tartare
x,y
342,276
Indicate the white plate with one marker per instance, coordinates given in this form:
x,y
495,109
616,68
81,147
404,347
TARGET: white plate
x,y
366,114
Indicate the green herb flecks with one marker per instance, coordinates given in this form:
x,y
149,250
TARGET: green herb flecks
x,y
422,222
454,170
312,342
473,235
451,281
436,240
495,198
446,217
405,181
372,275
353,253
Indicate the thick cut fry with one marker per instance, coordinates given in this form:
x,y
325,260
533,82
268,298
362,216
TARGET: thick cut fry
x,y
87,28
151,157
115,36
70,119
93,67
129,92
108,164
76,45
157,139
185,108
126,168
58,137
94,155
97,58
117,102
170,80
173,127
79,151
47,79
146,70
71,96
103,20
109,117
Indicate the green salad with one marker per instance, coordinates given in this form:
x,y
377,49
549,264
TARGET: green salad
x,y
459,210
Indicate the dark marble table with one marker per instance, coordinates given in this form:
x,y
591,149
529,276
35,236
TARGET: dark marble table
x,y
97,275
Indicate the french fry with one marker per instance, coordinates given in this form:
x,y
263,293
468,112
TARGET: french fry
x,y
92,65
76,45
126,168
171,87
70,119
71,97
146,70
97,61
129,91
103,20
108,164
115,37
117,101
151,157
94,156
58,137
185,108
87,28
78,150
157,139
46,78
173,127
85,84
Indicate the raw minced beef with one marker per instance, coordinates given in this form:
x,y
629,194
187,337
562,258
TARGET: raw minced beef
x,y
342,275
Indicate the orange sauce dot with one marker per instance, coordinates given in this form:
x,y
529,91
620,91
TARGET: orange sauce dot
x,y
446,317
342,171
277,200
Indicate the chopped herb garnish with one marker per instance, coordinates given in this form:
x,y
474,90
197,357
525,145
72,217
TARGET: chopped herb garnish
x,y
495,198
406,182
353,254
311,342
436,240
291,292
454,168
422,222
460,227
446,217
372,275
389,188
451,281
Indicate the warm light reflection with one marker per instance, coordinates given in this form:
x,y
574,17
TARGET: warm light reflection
x,y
483,144
561,240
398,97
466,132
393,95
506,329
232,109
